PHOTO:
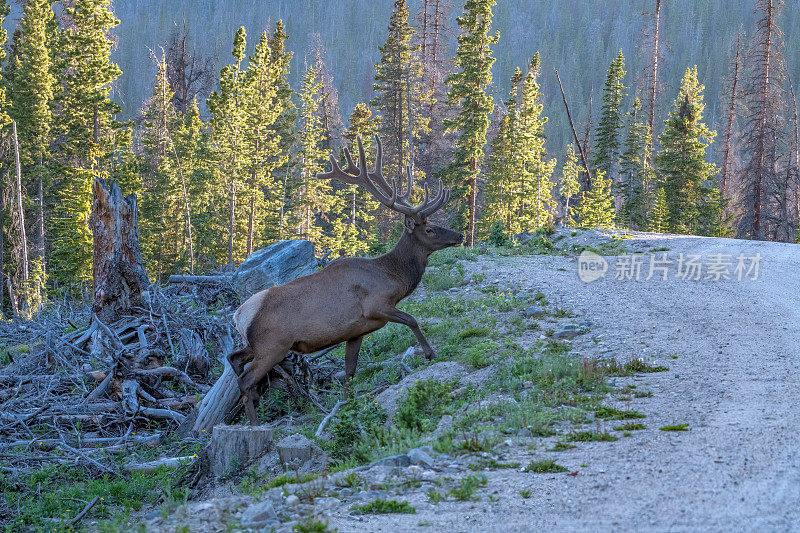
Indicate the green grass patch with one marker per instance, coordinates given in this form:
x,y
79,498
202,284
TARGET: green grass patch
x,y
443,278
465,490
590,436
424,404
545,466
675,427
380,506
491,464
561,446
630,426
609,413
313,525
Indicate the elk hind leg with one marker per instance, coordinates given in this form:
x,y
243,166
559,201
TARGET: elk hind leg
x,y
350,361
263,361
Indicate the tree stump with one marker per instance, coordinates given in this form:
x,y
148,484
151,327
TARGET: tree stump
x,y
120,280
235,447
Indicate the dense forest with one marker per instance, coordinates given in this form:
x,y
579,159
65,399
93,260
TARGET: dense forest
x,y
218,116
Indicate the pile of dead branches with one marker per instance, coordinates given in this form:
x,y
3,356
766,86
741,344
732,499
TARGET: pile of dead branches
x,y
102,389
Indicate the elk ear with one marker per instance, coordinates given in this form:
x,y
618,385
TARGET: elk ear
x,y
410,224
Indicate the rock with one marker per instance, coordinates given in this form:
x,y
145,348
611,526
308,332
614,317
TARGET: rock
x,y
445,423
276,264
528,385
504,446
428,475
568,331
292,500
205,511
295,449
152,515
401,460
415,470
534,312
419,457
525,433
259,512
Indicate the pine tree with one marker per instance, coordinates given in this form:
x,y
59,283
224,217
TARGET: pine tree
x,y
280,59
358,231
597,204
606,147
505,165
400,93
89,132
5,184
659,218
229,130
314,199
468,89
636,175
688,180
263,108
535,202
32,89
570,185
161,203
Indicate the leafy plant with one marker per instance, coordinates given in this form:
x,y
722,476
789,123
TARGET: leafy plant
x,y
630,426
422,406
380,506
615,414
675,427
545,466
465,490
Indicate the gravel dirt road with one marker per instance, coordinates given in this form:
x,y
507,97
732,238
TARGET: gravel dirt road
x,y
734,366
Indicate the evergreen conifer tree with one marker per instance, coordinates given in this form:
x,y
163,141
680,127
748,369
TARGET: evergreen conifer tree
x,y
569,185
606,146
636,174
87,127
597,204
468,90
400,93
689,181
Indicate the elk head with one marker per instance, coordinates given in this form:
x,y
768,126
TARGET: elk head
x,y
428,236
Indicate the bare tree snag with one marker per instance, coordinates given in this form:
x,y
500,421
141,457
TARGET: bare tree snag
x,y
22,237
120,280
574,133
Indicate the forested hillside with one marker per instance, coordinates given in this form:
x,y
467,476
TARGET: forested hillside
x,y
578,37
220,115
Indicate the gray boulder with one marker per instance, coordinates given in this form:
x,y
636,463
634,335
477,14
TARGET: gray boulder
x,y
276,264
295,449
259,513
568,331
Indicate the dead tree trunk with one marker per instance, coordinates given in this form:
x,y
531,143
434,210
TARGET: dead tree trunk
x,y
22,237
726,154
654,71
120,280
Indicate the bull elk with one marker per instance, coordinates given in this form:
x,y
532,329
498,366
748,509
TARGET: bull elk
x,y
350,297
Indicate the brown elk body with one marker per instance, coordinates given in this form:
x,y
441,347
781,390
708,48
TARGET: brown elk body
x,y
346,300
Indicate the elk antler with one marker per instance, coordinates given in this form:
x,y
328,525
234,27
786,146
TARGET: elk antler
x,y
392,196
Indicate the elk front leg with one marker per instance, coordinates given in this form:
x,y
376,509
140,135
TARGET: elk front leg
x,y
399,317
350,361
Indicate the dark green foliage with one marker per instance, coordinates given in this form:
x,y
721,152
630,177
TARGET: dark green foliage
x,y
675,427
630,426
313,525
597,205
384,507
545,466
616,414
497,235
422,406
468,91
358,421
590,436
692,199
465,490
606,148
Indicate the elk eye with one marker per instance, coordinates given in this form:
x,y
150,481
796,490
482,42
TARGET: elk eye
x,y
429,231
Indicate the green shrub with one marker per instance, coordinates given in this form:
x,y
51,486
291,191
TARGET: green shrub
x,y
422,406
465,490
384,507
545,466
497,235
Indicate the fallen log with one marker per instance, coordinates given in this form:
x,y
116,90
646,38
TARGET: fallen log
x,y
199,280
147,440
152,466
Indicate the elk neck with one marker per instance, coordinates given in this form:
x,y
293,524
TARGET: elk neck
x,y
407,262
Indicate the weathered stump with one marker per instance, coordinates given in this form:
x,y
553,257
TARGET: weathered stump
x,y
234,447
120,280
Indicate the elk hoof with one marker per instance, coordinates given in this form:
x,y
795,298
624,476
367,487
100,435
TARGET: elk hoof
x,y
429,354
